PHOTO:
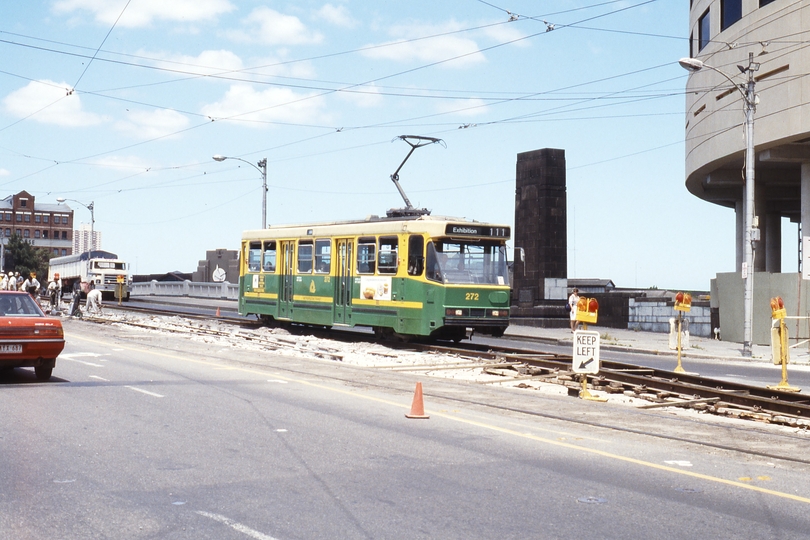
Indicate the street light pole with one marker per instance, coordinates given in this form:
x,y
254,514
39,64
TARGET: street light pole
x,y
750,233
261,166
90,207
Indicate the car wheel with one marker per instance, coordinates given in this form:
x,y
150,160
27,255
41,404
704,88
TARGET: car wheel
x,y
43,373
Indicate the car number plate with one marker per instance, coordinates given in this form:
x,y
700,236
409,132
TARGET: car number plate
x,y
10,349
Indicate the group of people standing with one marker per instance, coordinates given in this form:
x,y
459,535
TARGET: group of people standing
x,y
14,282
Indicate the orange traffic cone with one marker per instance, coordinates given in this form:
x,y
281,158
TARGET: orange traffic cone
x,y
418,407
218,312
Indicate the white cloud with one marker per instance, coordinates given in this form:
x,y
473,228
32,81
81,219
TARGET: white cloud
x,y
505,33
268,26
49,102
205,63
4,172
243,102
366,97
337,15
430,50
463,107
152,124
144,12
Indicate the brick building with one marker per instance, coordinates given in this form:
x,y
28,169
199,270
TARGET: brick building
x,y
44,225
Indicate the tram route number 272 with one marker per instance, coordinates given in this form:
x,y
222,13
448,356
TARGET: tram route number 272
x,y
471,296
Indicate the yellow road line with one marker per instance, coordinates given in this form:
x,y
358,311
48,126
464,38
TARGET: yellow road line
x,y
487,426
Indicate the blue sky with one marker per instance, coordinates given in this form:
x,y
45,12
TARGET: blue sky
x,y
124,103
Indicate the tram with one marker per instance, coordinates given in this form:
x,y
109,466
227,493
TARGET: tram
x,y
405,276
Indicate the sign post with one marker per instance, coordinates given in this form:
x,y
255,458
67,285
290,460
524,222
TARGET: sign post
x,y
586,360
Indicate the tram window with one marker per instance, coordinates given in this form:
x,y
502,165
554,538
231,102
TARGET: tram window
x,y
305,257
388,255
416,259
366,250
269,262
323,256
434,270
254,256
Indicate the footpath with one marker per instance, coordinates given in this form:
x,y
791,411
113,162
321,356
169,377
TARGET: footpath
x,y
656,343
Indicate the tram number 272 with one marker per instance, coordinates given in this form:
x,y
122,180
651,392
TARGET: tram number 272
x,y
471,296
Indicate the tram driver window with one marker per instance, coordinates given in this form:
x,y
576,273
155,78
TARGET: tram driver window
x,y
388,255
433,267
305,257
366,250
254,256
323,256
269,260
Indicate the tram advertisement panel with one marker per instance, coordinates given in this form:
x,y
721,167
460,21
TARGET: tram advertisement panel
x,y
375,287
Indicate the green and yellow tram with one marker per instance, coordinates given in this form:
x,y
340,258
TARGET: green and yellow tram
x,y
407,276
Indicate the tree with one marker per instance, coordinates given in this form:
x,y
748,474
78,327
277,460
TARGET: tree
x,y
24,257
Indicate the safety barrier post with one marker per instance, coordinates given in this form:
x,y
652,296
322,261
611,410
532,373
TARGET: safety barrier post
x,y
780,342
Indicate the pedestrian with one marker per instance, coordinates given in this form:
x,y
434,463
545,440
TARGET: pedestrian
x,y
53,295
20,281
74,304
12,282
573,300
31,285
3,282
93,304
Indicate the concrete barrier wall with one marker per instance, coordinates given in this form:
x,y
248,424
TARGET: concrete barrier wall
x,y
654,314
229,291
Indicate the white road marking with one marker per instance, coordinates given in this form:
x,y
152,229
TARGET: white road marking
x,y
72,358
99,378
147,392
679,463
281,430
236,526
277,381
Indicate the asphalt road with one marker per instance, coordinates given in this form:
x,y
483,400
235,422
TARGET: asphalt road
x,y
144,435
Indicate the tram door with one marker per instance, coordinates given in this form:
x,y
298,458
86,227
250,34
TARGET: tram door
x,y
285,291
343,287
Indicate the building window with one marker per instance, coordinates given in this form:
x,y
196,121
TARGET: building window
x,y
36,234
45,219
44,234
19,218
19,232
37,218
8,217
23,202
763,3
64,235
28,218
64,252
56,251
730,12
26,233
704,31
8,232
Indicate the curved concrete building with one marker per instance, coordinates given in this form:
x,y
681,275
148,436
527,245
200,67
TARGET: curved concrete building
x,y
777,32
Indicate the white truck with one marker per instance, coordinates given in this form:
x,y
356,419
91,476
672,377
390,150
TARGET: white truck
x,y
96,269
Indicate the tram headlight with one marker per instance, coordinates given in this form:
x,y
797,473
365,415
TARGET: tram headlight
x,y
453,312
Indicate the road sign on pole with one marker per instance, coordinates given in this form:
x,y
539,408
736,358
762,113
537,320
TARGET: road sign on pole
x,y
586,352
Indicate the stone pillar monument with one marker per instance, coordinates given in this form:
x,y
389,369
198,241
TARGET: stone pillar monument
x,y
540,224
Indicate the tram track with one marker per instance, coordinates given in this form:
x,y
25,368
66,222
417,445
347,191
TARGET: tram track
x,y
661,388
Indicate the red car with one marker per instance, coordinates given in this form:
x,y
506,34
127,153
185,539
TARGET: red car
x,y
28,338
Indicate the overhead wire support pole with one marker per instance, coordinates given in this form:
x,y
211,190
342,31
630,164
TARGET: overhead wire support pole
x,y
750,232
420,141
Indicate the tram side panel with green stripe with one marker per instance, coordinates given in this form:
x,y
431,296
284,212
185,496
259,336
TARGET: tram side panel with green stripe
x,y
422,276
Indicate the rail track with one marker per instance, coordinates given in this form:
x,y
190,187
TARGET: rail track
x,y
662,388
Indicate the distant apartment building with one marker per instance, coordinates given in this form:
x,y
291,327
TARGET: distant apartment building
x,y
86,239
47,226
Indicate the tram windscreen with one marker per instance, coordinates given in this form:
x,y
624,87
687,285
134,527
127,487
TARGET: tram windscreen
x,y
467,263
